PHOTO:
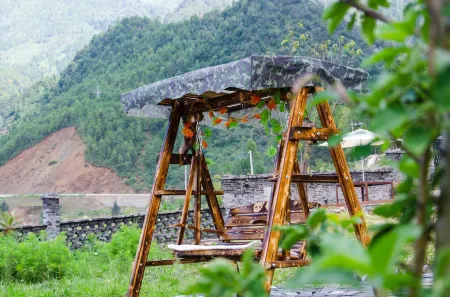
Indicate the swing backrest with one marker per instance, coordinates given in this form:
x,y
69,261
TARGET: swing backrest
x,y
247,223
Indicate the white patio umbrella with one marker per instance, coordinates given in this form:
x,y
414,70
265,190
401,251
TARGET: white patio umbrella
x,y
358,138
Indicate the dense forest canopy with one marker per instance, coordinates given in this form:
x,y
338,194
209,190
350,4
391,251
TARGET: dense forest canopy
x,y
39,38
137,51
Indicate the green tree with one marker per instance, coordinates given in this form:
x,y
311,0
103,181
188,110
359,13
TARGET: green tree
x,y
4,206
115,210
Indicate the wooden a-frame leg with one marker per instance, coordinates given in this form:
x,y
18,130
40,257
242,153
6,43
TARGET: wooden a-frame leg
x,y
187,199
211,198
277,211
301,191
345,178
198,201
155,200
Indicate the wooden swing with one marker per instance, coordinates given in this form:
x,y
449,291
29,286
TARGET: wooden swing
x,y
245,227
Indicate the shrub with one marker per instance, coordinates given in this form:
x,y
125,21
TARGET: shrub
x,y
124,242
34,259
53,162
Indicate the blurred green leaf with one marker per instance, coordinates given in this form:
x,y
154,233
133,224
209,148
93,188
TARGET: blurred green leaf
x,y
334,14
368,27
409,166
417,139
271,151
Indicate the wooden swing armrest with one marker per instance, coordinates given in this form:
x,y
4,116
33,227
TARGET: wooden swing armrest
x,y
206,230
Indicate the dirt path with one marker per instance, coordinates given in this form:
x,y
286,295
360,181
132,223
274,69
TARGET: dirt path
x,y
57,164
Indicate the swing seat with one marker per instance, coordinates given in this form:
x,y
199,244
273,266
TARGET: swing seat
x,y
244,229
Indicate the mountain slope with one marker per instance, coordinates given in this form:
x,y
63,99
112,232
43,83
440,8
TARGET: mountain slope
x,y
138,51
39,38
57,164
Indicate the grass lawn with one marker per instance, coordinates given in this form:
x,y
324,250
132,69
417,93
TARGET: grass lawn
x,y
103,270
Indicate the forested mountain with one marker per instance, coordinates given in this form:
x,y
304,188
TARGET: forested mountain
x,y
137,51
39,38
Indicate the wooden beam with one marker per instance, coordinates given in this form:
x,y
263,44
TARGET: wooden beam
x,y
211,198
311,134
311,178
240,99
198,197
183,192
345,178
277,211
303,199
287,264
155,201
175,261
187,199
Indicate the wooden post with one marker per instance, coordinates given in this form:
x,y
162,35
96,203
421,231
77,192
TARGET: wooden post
x,y
301,191
277,211
345,178
155,200
198,200
211,198
187,199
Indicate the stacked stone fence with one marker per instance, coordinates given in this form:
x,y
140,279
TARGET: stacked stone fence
x,y
78,231
246,189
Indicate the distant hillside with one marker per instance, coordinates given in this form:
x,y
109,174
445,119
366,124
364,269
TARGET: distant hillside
x,y
138,51
57,164
39,38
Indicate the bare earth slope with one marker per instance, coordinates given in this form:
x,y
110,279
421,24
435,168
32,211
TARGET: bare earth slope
x,y
33,171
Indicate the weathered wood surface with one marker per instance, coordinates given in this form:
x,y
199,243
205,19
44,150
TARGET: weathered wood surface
x,y
198,199
287,264
311,178
345,178
260,220
187,199
277,211
311,134
211,197
155,201
261,207
183,192
301,191
178,159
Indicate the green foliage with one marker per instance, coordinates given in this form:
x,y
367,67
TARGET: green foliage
x,y
220,278
124,242
34,259
138,51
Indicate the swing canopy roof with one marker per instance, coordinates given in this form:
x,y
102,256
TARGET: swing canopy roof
x,y
222,83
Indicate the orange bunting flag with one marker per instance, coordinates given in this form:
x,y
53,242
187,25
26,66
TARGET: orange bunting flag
x,y
255,99
227,123
223,110
204,144
244,119
187,132
211,114
271,104
217,121
257,116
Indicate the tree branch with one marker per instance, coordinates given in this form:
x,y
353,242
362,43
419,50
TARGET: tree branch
x,y
367,10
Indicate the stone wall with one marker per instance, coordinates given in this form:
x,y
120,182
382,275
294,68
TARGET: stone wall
x,y
246,189
77,231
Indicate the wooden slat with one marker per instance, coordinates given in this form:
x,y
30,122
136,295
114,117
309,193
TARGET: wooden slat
x,y
287,264
260,220
345,178
155,201
173,261
311,133
261,207
277,211
192,227
239,233
311,178
183,192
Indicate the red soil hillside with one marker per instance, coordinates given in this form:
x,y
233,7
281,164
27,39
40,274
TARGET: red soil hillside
x,y
57,164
